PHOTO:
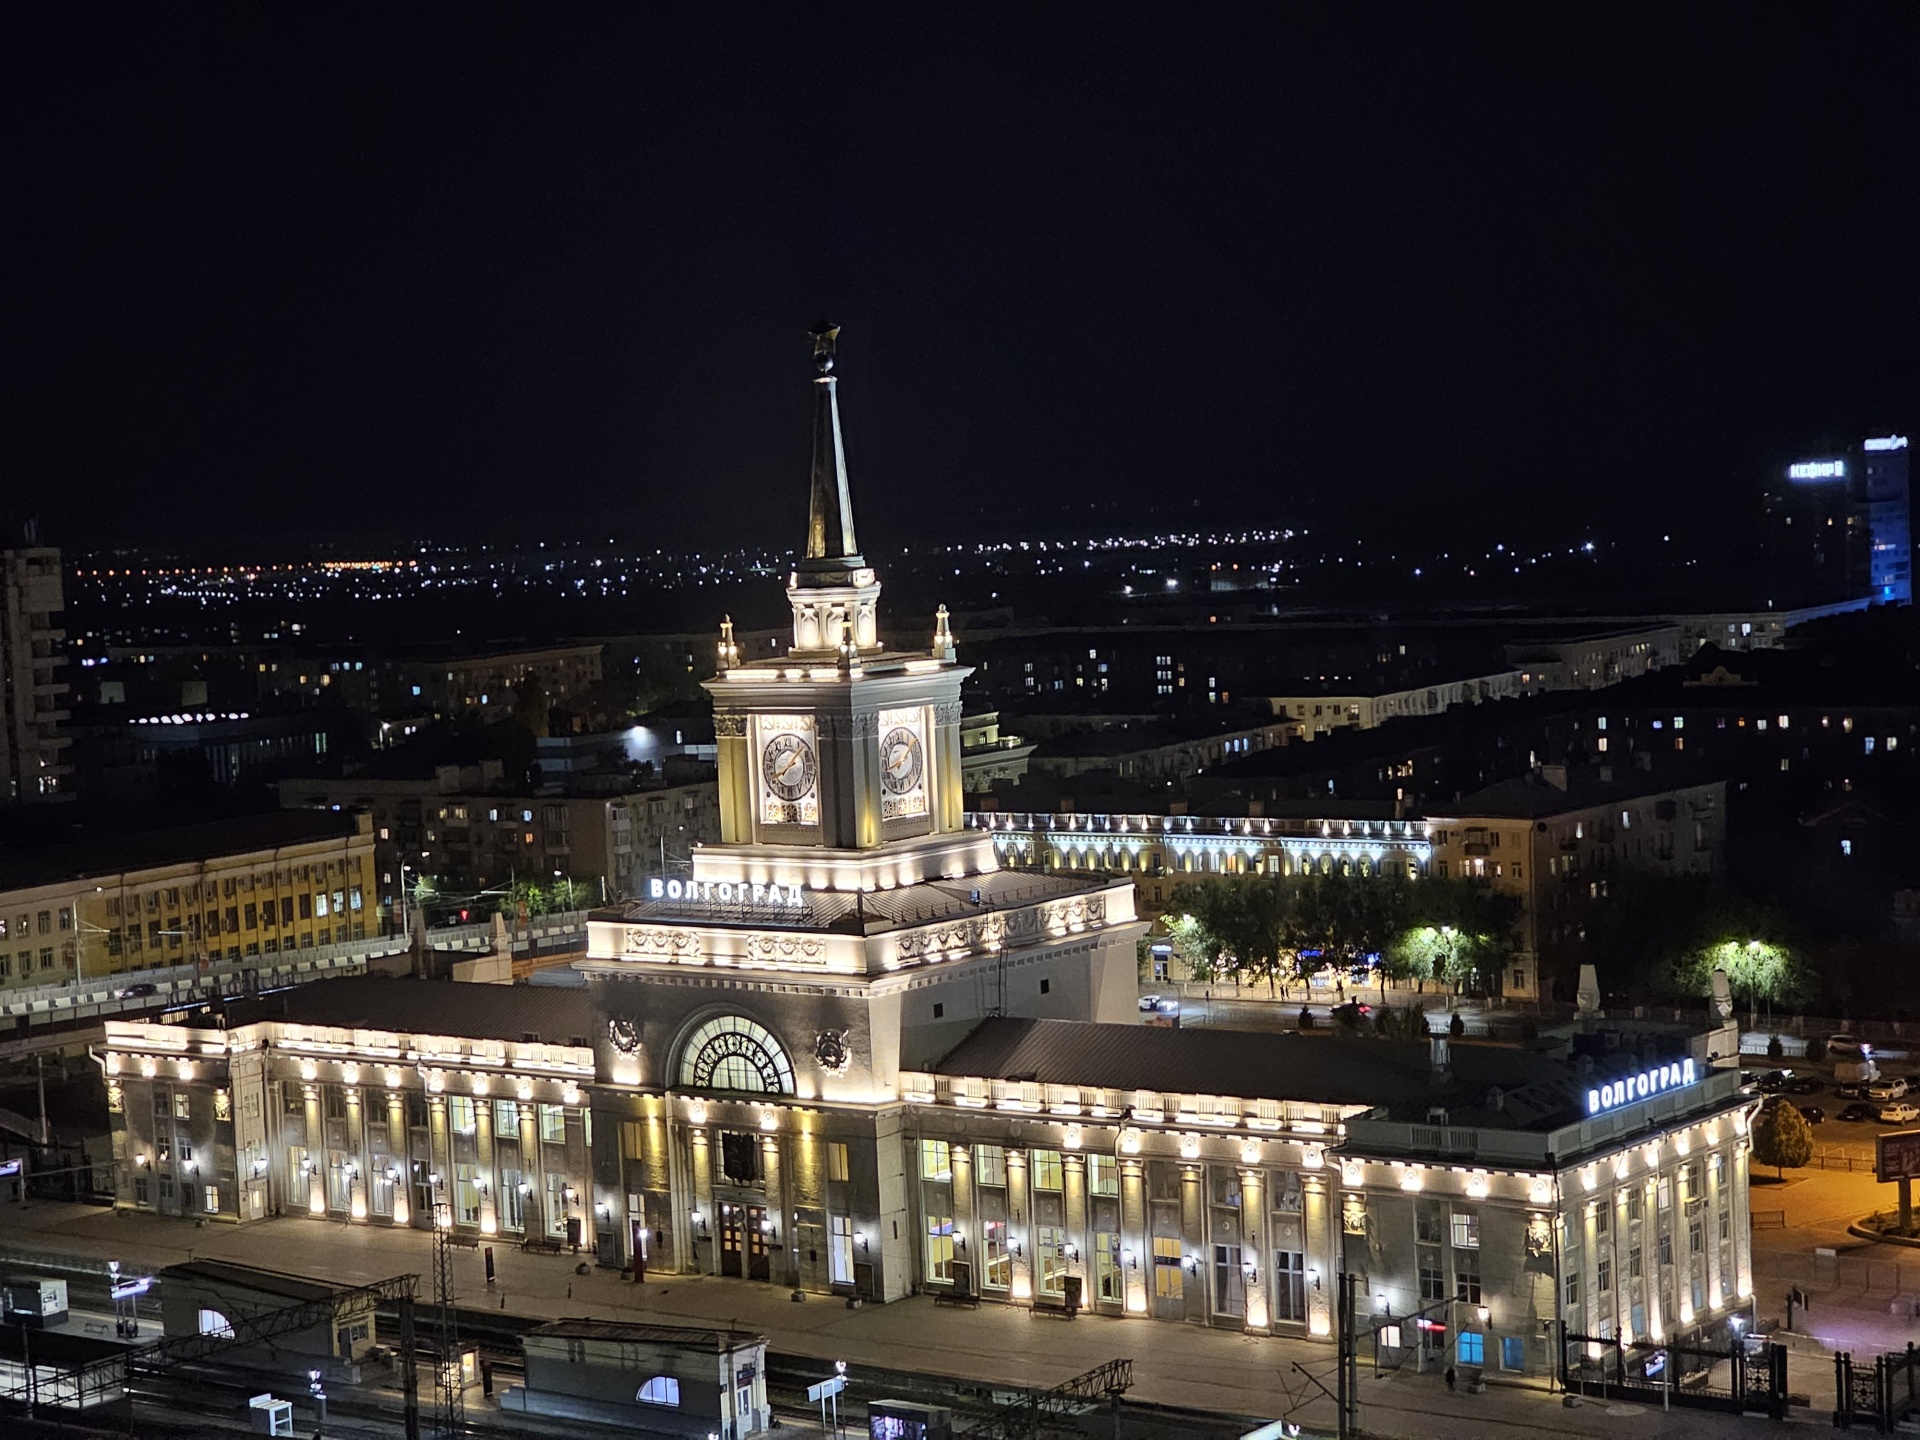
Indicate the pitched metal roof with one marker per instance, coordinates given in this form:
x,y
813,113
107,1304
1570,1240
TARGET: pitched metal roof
x,y
1315,1068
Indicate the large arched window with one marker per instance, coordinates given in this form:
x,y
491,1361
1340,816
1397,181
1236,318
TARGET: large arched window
x,y
660,1390
731,1052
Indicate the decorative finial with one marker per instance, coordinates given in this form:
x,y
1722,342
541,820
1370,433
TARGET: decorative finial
x,y
942,635
729,651
849,650
825,336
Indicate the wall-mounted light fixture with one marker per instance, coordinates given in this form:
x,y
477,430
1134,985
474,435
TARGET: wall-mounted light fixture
x,y
1129,1259
1484,1313
860,1239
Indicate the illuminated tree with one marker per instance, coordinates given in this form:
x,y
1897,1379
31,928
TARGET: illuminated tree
x,y
1757,970
1782,1138
1196,946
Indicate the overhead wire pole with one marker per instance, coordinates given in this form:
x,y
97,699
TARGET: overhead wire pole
x,y
450,1421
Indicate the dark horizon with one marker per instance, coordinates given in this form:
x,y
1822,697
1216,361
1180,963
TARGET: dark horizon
x,y
297,279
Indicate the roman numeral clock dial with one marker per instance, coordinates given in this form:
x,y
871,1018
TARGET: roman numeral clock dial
x,y
789,779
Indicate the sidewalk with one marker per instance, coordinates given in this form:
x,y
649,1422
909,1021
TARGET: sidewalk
x,y
1861,1300
1173,1364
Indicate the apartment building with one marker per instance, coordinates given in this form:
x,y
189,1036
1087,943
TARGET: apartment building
x,y
262,885
1554,839
465,831
33,765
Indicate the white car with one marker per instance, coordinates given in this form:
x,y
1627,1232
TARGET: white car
x,y
1893,1089
1898,1113
1149,1003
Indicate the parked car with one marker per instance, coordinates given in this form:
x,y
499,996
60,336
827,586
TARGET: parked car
x,y
1149,1003
1893,1088
1848,1089
1844,1047
1899,1113
1813,1113
1774,1080
1804,1085
1859,1110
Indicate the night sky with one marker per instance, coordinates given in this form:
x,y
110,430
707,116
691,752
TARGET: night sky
x,y
283,275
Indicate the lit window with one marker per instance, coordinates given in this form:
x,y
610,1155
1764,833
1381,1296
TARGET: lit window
x,y
1473,1348
660,1390
1846,847
212,1322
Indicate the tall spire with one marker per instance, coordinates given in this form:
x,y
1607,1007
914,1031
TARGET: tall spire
x,y
831,547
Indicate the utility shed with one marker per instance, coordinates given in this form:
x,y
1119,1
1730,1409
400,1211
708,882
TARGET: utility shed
x,y
670,1379
217,1297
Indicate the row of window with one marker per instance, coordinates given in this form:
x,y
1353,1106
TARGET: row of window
x,y
28,961
463,1118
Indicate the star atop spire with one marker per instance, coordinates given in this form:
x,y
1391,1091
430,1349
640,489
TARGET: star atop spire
x,y
831,546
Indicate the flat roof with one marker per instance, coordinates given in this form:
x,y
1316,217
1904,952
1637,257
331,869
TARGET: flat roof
x,y
685,1337
404,1005
180,844
271,1282
1530,797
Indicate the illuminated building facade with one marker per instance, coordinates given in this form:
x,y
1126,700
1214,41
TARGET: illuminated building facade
x,y
1841,523
1164,852
226,890
850,1054
1887,502
364,1100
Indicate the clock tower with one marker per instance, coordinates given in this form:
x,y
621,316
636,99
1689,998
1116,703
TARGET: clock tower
x,y
758,1009
840,762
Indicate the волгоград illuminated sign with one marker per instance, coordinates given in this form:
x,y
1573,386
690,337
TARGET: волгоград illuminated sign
x,y
1628,1088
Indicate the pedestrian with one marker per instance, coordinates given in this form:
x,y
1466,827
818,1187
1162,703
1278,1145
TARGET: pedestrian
x,y
1451,1377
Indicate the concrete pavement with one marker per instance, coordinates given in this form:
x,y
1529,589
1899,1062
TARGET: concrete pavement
x,y
1173,1364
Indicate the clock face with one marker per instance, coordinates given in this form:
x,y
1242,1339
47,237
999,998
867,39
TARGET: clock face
x,y
901,763
789,767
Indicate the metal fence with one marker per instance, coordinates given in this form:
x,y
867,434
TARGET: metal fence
x,y
1842,1157
1854,1274
1883,1394
1742,1376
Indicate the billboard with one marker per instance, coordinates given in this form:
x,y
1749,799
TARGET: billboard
x,y
1896,1156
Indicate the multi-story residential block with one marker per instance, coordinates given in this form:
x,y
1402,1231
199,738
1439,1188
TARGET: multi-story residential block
x,y
33,766
261,885
1316,714
467,835
1556,840
1591,662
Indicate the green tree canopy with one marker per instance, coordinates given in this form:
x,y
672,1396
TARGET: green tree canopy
x,y
1281,928
1782,1137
